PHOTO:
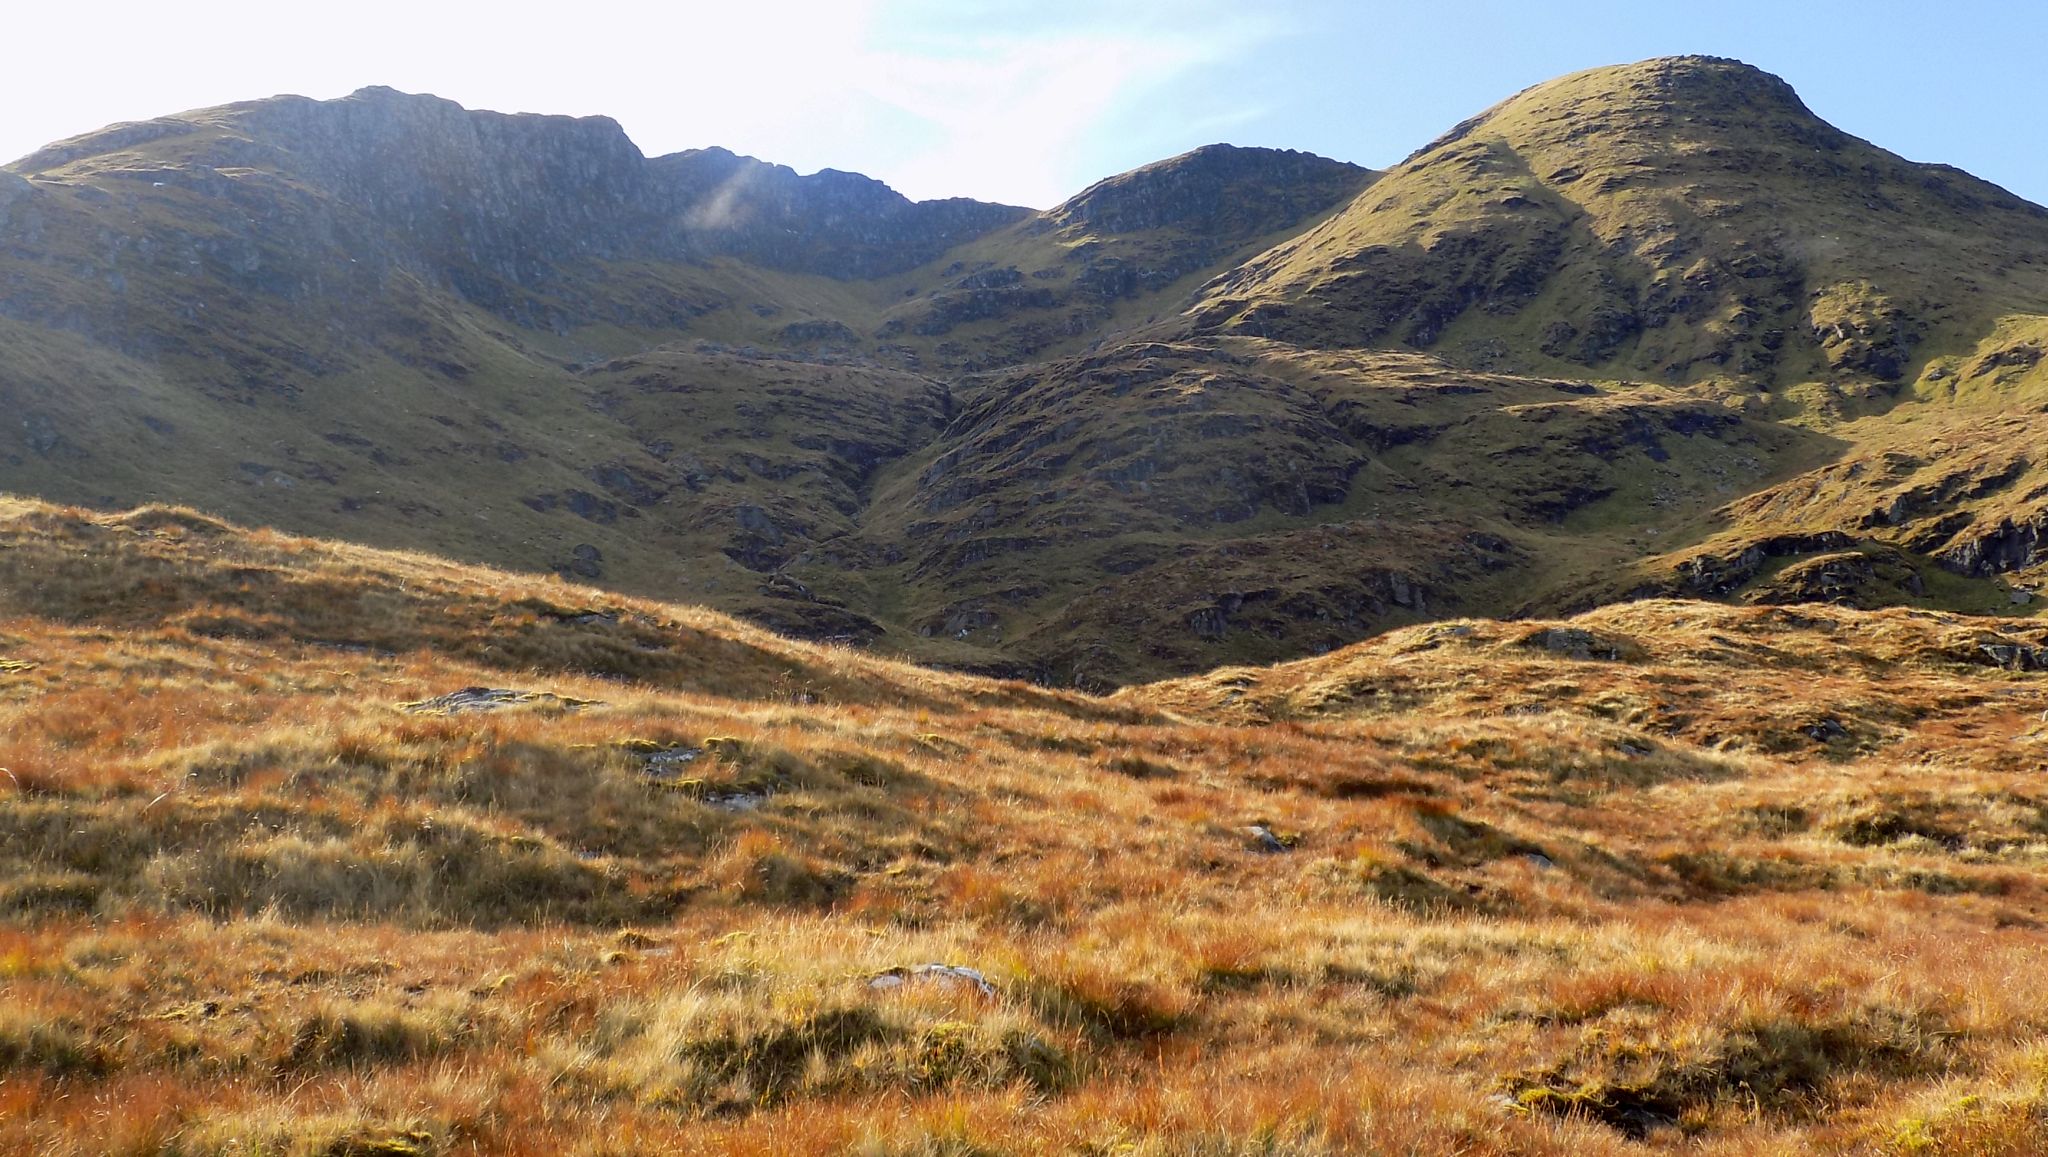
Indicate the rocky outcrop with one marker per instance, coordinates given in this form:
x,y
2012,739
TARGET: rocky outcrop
x,y
1863,332
1709,575
1580,643
2014,656
1866,579
2000,548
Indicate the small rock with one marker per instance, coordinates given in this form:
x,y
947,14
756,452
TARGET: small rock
x,y
1826,729
41,434
2016,656
1207,622
1579,643
1264,839
946,974
1539,861
1402,591
491,699
666,762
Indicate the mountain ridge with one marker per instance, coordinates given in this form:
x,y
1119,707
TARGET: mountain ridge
x,y
975,434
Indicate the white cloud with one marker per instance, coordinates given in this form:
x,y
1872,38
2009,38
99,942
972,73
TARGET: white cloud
x,y
987,98
1011,107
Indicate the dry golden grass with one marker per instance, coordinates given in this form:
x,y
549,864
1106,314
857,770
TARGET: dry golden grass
x,y
1669,875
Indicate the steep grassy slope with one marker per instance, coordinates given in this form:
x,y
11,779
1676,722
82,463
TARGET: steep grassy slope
x,y
1670,877
1689,222
1678,219
1125,251
1238,500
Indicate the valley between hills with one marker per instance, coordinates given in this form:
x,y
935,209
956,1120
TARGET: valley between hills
x,y
509,645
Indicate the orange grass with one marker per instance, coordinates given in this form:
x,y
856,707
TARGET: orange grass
x,y
1528,903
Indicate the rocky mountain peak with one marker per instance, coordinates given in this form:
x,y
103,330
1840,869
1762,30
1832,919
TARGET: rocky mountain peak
x,y
1214,188
555,184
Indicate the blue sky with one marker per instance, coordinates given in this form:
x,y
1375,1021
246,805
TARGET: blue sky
x,y
1029,100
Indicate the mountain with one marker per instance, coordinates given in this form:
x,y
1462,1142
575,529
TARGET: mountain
x,y
1689,221
1646,330
1681,220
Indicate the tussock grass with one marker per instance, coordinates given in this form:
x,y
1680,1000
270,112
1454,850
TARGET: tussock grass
x,y
379,1032
59,1047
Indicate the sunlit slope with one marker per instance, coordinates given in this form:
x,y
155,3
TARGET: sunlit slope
x,y
1824,682
316,849
1679,219
172,569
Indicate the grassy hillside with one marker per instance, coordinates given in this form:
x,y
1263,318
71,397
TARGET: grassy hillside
x,y
1679,219
541,351
1126,251
1670,876
1689,223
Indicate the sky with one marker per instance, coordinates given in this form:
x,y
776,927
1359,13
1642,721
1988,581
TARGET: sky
x,y
1028,101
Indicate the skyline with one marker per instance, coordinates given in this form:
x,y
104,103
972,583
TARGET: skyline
x,y
1028,103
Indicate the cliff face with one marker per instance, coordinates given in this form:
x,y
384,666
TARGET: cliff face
x,y
501,192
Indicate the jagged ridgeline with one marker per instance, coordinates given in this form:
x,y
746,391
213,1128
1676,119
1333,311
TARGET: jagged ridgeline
x,y
1646,329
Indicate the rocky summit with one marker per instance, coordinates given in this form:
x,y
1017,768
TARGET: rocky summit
x,y
1646,330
